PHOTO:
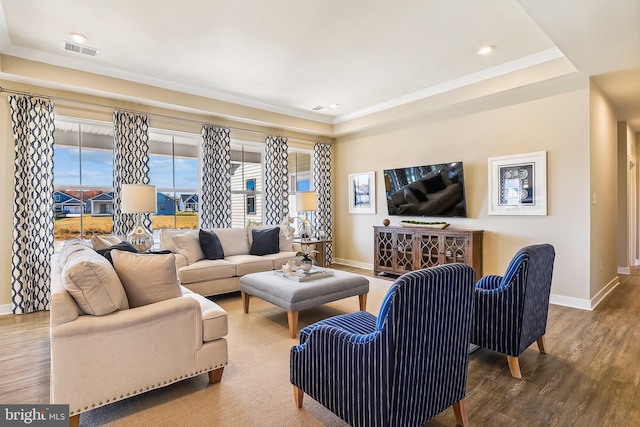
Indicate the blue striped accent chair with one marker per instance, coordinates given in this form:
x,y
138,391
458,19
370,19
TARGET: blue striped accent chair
x,y
511,310
399,369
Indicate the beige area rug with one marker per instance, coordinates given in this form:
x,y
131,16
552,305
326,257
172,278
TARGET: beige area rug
x,y
255,388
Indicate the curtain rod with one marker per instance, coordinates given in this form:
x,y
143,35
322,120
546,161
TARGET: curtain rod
x,y
164,116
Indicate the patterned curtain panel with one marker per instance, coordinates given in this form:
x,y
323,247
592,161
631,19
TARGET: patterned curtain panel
x,y
276,185
130,164
322,178
215,197
32,248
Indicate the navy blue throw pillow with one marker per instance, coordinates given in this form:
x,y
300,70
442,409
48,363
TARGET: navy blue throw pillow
x,y
210,244
265,241
122,246
434,184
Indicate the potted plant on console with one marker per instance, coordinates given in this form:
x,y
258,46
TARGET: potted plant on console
x,y
306,262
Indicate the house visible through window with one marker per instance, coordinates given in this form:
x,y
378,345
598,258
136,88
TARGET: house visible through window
x,y
83,176
246,184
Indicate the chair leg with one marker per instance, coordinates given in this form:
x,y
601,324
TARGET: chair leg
x,y
298,395
74,420
460,413
514,367
541,345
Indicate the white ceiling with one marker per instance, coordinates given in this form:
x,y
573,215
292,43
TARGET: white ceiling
x,y
289,56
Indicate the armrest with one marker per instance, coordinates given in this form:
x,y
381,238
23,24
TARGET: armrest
x,y
489,283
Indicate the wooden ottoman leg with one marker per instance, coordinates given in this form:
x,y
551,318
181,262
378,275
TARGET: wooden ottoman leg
x,y
245,301
293,323
363,301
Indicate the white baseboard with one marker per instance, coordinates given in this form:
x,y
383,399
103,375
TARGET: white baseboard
x,y
5,309
583,304
624,270
350,263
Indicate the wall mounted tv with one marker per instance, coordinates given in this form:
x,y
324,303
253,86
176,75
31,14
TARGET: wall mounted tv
x,y
431,190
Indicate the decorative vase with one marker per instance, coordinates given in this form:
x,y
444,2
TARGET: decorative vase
x,y
306,265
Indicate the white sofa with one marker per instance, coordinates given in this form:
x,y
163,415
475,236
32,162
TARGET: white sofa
x,y
103,351
212,277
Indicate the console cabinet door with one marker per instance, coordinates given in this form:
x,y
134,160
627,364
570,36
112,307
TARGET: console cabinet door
x,y
394,251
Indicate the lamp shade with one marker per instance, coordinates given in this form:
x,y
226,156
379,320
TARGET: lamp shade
x,y
138,198
306,201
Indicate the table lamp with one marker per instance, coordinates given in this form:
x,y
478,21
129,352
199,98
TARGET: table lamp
x,y
306,201
139,199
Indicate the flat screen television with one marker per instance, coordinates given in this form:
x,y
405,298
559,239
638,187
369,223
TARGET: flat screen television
x,y
431,190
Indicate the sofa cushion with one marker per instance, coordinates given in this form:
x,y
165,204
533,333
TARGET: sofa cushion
x,y
246,264
206,270
214,317
188,244
103,242
280,258
147,278
235,241
93,283
69,247
265,241
122,246
210,244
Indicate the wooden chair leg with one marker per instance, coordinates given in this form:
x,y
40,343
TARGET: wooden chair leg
x,y
215,376
74,420
541,345
298,395
514,367
460,413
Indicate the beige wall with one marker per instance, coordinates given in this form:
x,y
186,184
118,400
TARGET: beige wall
x,y
6,200
603,127
558,124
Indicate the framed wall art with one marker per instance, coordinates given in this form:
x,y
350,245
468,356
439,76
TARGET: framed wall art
x,y
518,184
362,192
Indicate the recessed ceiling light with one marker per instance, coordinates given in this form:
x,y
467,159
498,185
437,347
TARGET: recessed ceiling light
x,y
332,106
78,38
485,49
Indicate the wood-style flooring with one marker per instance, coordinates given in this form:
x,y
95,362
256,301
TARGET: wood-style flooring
x,y
589,376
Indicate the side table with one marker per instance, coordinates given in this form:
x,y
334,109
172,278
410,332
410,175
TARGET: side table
x,y
320,248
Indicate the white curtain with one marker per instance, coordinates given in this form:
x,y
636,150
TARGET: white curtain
x,y
322,178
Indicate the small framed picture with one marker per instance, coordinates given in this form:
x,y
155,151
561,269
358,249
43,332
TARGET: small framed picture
x,y
518,184
362,192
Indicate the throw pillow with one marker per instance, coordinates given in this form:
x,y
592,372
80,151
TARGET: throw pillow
x,y
147,278
210,244
265,241
122,246
410,197
103,242
434,184
189,245
93,283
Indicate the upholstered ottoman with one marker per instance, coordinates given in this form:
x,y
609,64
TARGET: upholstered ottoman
x,y
294,296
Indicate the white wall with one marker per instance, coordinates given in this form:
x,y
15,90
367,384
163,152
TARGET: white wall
x,y
558,124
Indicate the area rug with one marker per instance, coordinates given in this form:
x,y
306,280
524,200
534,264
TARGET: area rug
x,y
255,389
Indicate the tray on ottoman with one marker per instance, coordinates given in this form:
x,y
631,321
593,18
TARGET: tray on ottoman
x,y
294,296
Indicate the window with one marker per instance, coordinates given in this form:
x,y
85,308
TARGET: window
x,y
246,184
300,176
173,169
82,179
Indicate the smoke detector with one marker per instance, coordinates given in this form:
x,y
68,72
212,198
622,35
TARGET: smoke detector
x,y
79,48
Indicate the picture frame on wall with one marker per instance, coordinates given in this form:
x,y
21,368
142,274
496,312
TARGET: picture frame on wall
x,y
518,184
362,193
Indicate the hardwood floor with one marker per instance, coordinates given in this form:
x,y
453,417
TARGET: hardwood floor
x,y
588,377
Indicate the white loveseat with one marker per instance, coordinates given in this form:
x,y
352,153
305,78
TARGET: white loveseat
x,y
212,277
105,348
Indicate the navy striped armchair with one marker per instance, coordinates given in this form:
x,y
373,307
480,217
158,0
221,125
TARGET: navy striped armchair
x,y
511,310
401,368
